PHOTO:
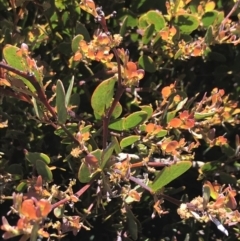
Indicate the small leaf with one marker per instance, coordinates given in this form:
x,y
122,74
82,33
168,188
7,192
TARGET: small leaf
x,y
156,18
81,29
102,96
117,145
117,125
117,111
209,18
15,169
142,22
16,61
201,116
60,101
21,187
147,63
75,42
38,109
206,195
210,6
148,34
69,91
123,28
169,174
135,119
33,156
107,153
44,171
209,35
148,109
132,224
84,173
59,211
186,22
128,141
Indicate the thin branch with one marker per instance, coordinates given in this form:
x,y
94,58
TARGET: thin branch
x,y
229,15
78,194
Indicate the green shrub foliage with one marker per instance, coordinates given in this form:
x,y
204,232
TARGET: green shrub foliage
x,y
113,113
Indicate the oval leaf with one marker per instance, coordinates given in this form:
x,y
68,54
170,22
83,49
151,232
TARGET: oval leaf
x,y
169,174
135,119
102,96
60,101
128,141
32,157
156,18
147,63
75,42
186,22
44,171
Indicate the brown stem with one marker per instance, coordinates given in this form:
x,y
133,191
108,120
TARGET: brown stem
x,y
229,14
106,118
78,194
41,95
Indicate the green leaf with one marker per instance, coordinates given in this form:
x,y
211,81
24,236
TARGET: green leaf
x,y
32,157
209,35
84,173
44,171
156,18
16,61
81,29
186,22
22,187
71,127
15,169
162,133
102,96
178,54
169,174
60,101
117,125
128,141
227,178
147,63
59,211
148,109
38,109
148,34
117,145
134,119
208,18
228,150
171,115
206,195
117,111
74,100
107,153
142,22
69,91
75,42
201,116
131,17
34,231
210,166
131,223
123,28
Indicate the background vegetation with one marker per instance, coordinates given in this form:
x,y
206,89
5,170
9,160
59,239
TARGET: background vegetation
x,y
82,86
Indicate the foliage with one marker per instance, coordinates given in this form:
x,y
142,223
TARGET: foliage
x,y
105,117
